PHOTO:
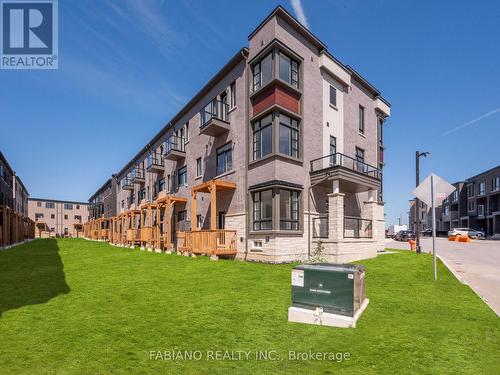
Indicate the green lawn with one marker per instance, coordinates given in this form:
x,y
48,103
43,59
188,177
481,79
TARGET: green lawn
x,y
78,307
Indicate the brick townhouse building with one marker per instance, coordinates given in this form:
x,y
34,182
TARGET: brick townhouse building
x,y
283,145
474,204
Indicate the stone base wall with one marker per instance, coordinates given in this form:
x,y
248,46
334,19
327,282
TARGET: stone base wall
x,y
347,251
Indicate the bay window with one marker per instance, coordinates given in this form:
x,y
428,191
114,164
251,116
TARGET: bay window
x,y
263,210
289,70
262,137
289,210
262,72
289,136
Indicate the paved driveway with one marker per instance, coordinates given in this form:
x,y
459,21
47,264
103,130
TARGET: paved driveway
x,y
476,263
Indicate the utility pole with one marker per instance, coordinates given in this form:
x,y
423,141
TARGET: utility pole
x,y
418,154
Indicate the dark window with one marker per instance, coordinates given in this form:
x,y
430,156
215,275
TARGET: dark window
x,y
333,96
333,149
38,216
51,205
289,70
52,216
199,169
263,210
360,155
262,137
224,158
77,206
233,94
65,217
39,204
262,72
361,127
289,136
161,184
181,216
289,210
470,191
68,206
182,176
78,217
380,132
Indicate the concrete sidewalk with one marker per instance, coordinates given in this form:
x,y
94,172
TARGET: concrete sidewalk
x,y
476,264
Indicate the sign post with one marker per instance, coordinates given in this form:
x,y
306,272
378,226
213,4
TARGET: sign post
x,y
432,191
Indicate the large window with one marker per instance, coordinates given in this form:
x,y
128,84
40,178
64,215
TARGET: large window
x,y
262,72
51,205
68,206
262,137
182,176
289,70
333,96
361,126
161,184
289,136
470,191
289,210
263,210
495,184
482,188
39,204
224,158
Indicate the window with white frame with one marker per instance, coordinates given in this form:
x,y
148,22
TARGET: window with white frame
x,y
333,96
199,167
482,188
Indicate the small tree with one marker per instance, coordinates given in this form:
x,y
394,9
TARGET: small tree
x,y
318,255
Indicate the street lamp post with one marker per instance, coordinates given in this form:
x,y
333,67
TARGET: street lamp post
x,y
418,154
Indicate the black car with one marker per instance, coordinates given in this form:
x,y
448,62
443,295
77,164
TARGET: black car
x,y
404,235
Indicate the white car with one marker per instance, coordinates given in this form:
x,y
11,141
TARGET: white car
x,y
472,233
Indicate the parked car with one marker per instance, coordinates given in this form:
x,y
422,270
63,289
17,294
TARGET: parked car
x,y
472,233
404,235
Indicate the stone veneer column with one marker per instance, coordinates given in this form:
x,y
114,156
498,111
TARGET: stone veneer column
x,y
374,211
336,216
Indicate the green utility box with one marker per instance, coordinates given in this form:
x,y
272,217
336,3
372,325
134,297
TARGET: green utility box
x,y
336,288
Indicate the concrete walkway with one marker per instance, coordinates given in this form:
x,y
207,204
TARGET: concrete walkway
x,y
476,264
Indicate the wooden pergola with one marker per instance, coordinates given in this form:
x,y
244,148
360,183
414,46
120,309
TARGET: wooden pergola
x,y
132,224
213,241
212,187
163,226
147,224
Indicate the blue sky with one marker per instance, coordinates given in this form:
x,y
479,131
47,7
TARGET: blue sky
x,y
126,67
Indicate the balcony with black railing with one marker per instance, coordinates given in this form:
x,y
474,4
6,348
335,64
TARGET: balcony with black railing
x,y
175,148
137,176
355,175
126,184
154,163
356,227
214,118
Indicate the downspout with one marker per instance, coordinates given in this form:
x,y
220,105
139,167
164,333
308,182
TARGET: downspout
x,y
245,137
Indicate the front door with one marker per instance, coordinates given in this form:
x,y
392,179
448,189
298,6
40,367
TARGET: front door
x,y
221,222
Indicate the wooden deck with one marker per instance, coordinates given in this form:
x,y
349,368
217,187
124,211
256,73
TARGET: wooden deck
x,y
220,242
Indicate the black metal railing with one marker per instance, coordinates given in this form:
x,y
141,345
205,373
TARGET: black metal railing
x,y
341,160
175,143
154,160
356,227
320,227
214,109
137,174
125,182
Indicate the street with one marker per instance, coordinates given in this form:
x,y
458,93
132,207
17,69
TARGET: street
x,y
477,263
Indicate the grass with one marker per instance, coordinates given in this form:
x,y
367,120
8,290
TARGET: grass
x,y
77,307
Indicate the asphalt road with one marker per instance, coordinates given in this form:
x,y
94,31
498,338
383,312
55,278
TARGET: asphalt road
x,y
476,264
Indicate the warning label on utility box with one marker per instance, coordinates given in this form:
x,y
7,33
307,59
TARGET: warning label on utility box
x,y
298,278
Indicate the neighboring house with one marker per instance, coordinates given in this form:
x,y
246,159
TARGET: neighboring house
x,y
58,217
474,204
293,140
103,202
14,223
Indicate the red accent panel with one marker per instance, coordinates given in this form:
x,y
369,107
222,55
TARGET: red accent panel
x,y
276,95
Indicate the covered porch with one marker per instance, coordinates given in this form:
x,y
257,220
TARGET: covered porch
x,y
214,241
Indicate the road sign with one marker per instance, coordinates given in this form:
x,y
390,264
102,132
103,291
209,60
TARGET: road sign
x,y
432,191
442,189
